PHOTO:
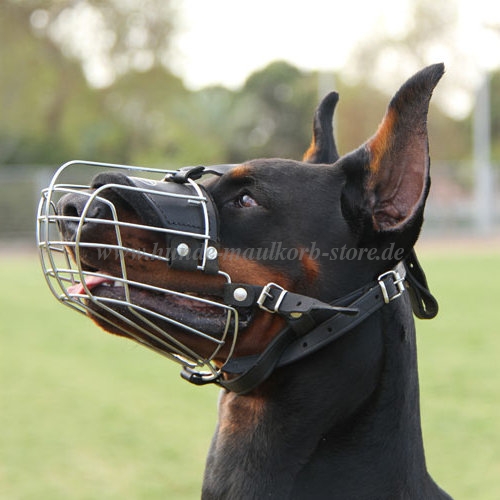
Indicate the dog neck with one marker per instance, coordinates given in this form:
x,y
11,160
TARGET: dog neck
x,y
356,436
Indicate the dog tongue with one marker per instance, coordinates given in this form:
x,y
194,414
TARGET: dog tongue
x,y
90,281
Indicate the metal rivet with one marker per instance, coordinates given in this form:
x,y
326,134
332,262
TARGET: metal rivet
x,y
182,249
211,253
240,294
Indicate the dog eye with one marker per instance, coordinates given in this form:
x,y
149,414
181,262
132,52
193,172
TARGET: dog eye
x,y
244,200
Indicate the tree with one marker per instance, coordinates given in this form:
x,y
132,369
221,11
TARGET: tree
x,y
49,112
35,87
108,37
273,113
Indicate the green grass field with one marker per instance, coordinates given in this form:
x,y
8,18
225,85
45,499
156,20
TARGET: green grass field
x,y
88,416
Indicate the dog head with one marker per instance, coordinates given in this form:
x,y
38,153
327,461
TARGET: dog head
x,y
320,227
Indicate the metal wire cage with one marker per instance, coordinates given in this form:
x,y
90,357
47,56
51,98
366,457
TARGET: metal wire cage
x,y
121,310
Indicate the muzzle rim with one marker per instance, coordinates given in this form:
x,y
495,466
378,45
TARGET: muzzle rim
x,y
61,271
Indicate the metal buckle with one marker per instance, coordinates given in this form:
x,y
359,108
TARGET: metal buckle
x,y
266,294
398,283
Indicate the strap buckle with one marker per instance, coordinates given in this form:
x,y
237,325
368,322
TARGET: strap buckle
x,y
267,294
182,175
398,282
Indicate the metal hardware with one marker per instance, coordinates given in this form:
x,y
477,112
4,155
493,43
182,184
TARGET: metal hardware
x,y
266,294
240,294
183,249
211,253
181,176
398,283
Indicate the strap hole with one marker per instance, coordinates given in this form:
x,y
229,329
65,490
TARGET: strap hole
x,y
304,345
329,329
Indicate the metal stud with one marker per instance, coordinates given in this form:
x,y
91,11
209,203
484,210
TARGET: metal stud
x,y
211,253
183,249
240,294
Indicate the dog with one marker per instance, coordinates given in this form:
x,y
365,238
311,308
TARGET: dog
x,y
294,282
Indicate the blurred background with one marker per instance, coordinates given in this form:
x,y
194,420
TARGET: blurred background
x,y
169,83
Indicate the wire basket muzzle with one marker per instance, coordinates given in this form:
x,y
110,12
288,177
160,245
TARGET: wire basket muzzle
x,y
183,220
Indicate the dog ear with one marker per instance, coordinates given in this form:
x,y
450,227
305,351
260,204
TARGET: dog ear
x,y
395,178
323,148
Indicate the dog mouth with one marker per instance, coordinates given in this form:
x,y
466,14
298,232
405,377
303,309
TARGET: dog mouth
x,y
150,291
150,314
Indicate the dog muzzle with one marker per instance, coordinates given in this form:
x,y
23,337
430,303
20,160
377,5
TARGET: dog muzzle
x,y
181,216
102,244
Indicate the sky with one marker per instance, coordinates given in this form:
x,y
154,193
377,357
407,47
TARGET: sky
x,y
224,41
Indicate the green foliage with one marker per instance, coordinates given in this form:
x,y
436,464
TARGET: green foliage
x,y
495,116
275,109
87,415
146,116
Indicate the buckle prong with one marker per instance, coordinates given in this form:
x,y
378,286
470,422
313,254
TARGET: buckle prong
x,y
266,294
398,283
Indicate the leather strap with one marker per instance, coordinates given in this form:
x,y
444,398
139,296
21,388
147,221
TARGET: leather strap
x,y
332,329
289,346
275,299
257,370
424,304
196,172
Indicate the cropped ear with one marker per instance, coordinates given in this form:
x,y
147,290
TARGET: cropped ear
x,y
395,178
323,148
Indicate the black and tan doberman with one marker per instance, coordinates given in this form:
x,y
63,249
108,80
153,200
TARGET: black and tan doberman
x,y
320,394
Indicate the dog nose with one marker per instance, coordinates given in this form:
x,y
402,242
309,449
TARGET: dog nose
x,y
76,205
73,206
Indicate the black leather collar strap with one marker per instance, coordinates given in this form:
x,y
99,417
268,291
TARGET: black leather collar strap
x,y
290,346
303,337
388,287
